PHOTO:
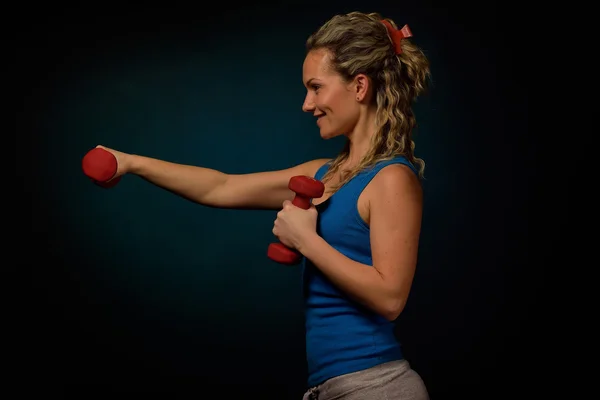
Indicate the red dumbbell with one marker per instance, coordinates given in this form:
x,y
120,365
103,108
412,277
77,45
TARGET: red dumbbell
x,y
100,166
306,188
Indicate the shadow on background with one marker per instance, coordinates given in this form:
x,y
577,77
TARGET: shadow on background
x,y
136,290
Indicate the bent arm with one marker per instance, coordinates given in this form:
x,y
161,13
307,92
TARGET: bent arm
x,y
395,209
212,188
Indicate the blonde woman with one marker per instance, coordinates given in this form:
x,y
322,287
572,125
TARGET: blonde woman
x,y
360,239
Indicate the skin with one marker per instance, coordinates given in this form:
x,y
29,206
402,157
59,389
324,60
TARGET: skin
x,y
391,204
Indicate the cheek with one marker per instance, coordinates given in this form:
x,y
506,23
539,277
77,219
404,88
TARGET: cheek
x,y
340,102
329,102
344,111
323,104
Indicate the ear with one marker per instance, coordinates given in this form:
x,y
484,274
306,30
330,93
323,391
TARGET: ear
x,y
361,86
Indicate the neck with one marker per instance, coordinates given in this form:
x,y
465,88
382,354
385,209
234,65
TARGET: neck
x,y
360,137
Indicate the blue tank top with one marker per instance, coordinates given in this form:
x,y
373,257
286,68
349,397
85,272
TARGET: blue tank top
x,y
342,336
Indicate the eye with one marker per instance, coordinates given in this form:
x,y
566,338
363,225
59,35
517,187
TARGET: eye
x,y
315,87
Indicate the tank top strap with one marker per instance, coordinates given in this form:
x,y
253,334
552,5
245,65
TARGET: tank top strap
x,y
356,186
370,172
322,170
359,182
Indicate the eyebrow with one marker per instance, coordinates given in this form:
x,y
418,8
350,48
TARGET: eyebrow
x,y
310,81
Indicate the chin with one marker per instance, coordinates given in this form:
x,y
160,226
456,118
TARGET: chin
x,y
328,134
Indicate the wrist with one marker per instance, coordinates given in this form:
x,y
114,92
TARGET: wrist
x,y
308,243
133,164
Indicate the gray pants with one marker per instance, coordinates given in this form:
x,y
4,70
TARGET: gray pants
x,y
394,380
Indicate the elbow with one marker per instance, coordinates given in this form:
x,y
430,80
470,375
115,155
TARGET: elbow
x,y
393,308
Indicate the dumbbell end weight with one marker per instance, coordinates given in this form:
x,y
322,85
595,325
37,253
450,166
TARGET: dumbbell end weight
x,y
100,166
283,255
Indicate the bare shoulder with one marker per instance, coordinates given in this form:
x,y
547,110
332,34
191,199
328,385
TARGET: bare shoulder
x,y
394,188
396,181
397,176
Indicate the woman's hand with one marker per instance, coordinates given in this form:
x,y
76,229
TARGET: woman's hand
x,y
294,225
123,161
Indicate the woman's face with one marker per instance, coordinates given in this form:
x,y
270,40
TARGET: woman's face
x,y
328,97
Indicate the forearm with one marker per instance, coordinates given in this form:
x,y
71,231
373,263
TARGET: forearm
x,y
190,182
361,282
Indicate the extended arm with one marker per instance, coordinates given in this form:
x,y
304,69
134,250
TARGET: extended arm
x,y
212,188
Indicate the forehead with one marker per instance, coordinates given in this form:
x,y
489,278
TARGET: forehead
x,y
316,65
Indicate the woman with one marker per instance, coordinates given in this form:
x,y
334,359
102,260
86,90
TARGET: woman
x,y
360,239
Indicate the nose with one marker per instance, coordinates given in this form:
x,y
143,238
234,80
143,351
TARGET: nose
x,y
309,104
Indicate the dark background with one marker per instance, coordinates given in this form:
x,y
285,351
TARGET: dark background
x,y
136,290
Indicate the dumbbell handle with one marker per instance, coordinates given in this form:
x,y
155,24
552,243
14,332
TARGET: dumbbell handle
x,y
306,188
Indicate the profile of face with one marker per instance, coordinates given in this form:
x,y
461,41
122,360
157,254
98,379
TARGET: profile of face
x,y
334,102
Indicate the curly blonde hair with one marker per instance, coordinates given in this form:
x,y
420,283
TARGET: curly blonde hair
x,y
359,43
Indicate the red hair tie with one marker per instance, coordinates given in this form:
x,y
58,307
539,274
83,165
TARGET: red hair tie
x,y
397,35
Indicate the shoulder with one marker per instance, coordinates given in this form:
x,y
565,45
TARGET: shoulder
x,y
395,204
394,182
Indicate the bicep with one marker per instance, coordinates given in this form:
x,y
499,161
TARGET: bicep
x,y
395,210
261,190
